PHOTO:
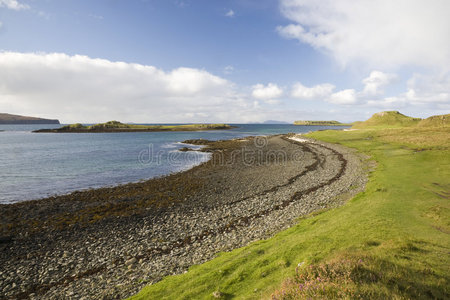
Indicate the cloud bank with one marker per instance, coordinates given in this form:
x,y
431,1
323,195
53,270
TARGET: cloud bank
x,y
382,33
229,13
317,92
13,4
82,89
377,80
270,91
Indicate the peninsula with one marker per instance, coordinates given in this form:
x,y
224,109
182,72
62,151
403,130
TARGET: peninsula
x,y
116,126
16,119
320,123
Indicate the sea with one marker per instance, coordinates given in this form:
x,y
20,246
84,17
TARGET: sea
x,y
40,165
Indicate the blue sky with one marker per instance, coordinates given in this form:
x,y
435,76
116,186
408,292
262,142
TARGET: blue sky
x,y
228,61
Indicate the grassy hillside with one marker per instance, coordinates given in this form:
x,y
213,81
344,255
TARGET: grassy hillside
x,y
115,126
435,121
388,119
391,241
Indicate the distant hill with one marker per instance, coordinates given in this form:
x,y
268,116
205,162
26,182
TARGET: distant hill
x,y
275,122
116,126
16,119
320,123
388,119
435,121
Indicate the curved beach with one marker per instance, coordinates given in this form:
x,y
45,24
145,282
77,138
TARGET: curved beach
x,y
109,243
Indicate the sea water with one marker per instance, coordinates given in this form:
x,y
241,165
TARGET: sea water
x,y
39,165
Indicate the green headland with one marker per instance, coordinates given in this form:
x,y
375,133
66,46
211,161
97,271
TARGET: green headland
x,y
321,123
17,119
391,241
115,126
388,119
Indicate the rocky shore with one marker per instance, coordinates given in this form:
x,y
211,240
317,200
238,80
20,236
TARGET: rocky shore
x,y
109,243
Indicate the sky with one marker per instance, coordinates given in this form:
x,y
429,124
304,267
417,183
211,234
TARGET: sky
x,y
236,61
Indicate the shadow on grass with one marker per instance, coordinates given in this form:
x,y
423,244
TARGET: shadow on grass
x,y
364,277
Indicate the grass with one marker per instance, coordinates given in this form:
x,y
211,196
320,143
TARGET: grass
x,y
390,241
435,121
388,119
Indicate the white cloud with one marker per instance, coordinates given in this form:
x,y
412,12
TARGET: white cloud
x,y
228,70
426,91
429,92
344,97
82,89
94,16
319,91
13,4
291,31
268,92
433,88
377,80
230,13
394,103
381,33
272,101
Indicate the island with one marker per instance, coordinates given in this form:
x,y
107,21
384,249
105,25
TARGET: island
x,y
321,123
116,126
17,119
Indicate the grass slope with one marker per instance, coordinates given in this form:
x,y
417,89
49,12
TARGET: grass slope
x,y
387,119
391,241
435,121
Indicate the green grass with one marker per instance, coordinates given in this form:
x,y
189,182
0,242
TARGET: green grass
x,y
390,241
387,119
435,121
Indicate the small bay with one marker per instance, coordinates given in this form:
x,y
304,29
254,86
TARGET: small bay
x,y
39,165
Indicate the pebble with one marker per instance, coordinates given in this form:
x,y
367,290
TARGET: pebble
x,y
115,258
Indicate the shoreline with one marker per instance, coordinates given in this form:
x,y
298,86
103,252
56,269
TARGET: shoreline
x,y
110,242
116,126
185,168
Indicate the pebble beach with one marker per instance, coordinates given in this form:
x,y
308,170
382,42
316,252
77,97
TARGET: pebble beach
x,y
108,243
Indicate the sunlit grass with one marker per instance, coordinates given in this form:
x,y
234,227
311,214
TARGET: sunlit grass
x,y
398,227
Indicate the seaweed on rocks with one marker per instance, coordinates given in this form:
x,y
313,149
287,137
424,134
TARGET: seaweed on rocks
x,y
90,243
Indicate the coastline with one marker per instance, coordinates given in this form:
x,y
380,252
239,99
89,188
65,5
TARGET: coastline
x,y
115,126
110,242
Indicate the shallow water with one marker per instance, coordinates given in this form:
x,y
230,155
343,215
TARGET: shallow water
x,y
34,166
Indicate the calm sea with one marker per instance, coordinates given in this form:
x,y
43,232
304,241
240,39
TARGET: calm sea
x,y
38,165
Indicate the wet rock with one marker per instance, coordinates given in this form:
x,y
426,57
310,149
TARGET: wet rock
x,y
109,243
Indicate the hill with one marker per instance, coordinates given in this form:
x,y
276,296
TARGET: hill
x,y
388,119
116,126
16,119
274,122
320,123
435,121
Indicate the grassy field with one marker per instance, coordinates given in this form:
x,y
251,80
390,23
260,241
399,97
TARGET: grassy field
x,y
390,241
